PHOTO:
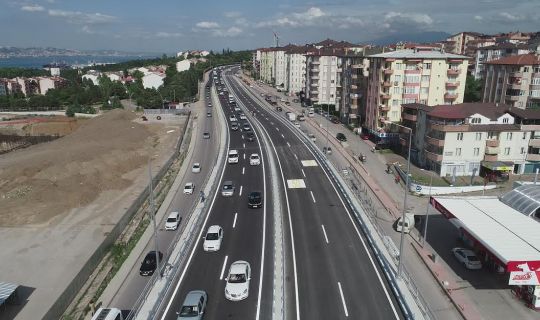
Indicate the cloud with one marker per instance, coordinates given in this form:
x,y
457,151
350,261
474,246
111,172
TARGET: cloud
x,y
505,16
232,14
77,17
207,25
227,33
315,17
478,18
163,34
32,8
397,21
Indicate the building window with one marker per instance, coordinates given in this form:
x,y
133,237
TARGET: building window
x,y
525,69
476,151
505,120
478,136
394,114
458,152
410,90
524,135
507,151
509,136
425,78
460,136
424,90
412,78
427,66
397,90
476,120
397,78
522,151
399,66
395,102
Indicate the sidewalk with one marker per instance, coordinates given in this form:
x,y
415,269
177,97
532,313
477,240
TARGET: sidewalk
x,y
457,296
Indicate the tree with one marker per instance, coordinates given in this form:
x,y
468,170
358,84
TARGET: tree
x,y
473,89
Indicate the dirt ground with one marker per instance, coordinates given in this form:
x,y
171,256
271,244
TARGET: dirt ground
x,y
44,181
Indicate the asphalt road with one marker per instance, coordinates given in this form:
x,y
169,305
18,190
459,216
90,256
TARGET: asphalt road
x,y
205,152
246,235
335,274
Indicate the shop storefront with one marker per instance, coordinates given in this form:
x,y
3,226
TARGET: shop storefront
x,y
496,171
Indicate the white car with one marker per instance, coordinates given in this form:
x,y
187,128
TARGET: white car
x,y
237,287
196,167
468,258
189,188
236,108
173,220
243,117
228,189
312,137
254,159
233,156
213,238
233,118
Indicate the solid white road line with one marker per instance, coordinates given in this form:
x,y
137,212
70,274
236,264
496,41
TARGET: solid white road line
x,y
223,268
343,300
243,170
235,217
240,193
324,232
303,173
313,197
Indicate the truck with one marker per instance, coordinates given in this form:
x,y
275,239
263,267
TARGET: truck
x,y
410,221
291,116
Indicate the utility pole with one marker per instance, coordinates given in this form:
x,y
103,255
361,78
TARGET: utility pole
x,y
153,214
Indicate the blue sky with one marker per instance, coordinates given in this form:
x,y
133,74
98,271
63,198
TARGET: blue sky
x,y
173,25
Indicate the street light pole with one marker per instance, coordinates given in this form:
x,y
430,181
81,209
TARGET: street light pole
x,y
327,125
427,208
400,261
153,214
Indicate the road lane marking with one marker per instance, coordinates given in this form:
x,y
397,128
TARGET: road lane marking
x,y
313,197
282,136
244,156
243,170
223,268
295,156
234,222
343,300
244,145
240,193
303,173
289,144
277,128
242,137
324,232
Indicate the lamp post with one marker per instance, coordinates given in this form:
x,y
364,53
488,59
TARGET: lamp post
x,y
427,208
400,260
152,213
327,125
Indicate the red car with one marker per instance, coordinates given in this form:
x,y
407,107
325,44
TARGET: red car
x,y
364,136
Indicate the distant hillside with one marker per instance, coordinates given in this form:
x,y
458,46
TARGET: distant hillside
x,y
420,37
9,52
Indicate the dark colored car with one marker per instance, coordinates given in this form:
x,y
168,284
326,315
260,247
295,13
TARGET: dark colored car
x,y
250,136
341,137
335,120
149,264
255,200
364,136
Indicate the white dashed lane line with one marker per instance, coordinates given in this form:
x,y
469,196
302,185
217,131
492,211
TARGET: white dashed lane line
x,y
324,232
234,222
313,197
223,268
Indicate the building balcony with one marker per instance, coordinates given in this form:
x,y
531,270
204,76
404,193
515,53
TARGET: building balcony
x,y
512,98
404,142
451,96
387,84
314,84
388,71
385,96
433,156
514,86
315,62
491,157
492,143
413,71
434,141
533,157
355,96
353,86
383,119
354,76
492,150
315,77
449,127
384,108
454,84
453,72
408,116
314,70
516,74
534,142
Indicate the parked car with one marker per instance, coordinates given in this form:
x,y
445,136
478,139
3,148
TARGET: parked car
x,y
255,200
149,264
196,167
254,159
213,238
173,220
468,258
341,137
189,188
237,287
312,137
194,306
335,120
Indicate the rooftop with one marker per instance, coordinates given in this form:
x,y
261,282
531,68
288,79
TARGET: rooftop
x,y
519,60
418,54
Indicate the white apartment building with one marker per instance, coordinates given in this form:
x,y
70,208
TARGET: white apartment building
x,y
153,80
495,52
296,70
323,77
420,75
267,65
183,65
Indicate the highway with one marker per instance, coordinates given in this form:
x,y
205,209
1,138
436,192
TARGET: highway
x,y
246,235
335,275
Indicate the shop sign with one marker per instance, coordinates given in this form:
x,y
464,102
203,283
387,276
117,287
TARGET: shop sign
x,y
524,278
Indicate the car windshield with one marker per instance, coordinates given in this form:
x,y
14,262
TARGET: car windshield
x,y
212,236
227,187
189,311
472,258
171,219
237,278
254,157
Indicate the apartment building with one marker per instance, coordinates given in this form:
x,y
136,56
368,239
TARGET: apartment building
x,y
458,43
48,83
495,52
473,138
513,80
296,69
267,66
3,87
323,77
420,75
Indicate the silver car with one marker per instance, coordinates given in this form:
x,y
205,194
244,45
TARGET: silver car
x,y
194,306
228,189
237,287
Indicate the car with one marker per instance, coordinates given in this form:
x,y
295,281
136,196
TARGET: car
x,y
234,126
341,137
327,150
149,264
209,114
468,258
243,116
213,238
209,105
237,286
278,108
250,136
194,306
254,159
232,118
196,168
189,188
228,189
364,136
297,124
312,137
173,220
335,120
233,156
206,135
246,127
236,108
255,200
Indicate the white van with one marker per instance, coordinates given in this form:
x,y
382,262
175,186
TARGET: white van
x,y
108,314
233,156
407,225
